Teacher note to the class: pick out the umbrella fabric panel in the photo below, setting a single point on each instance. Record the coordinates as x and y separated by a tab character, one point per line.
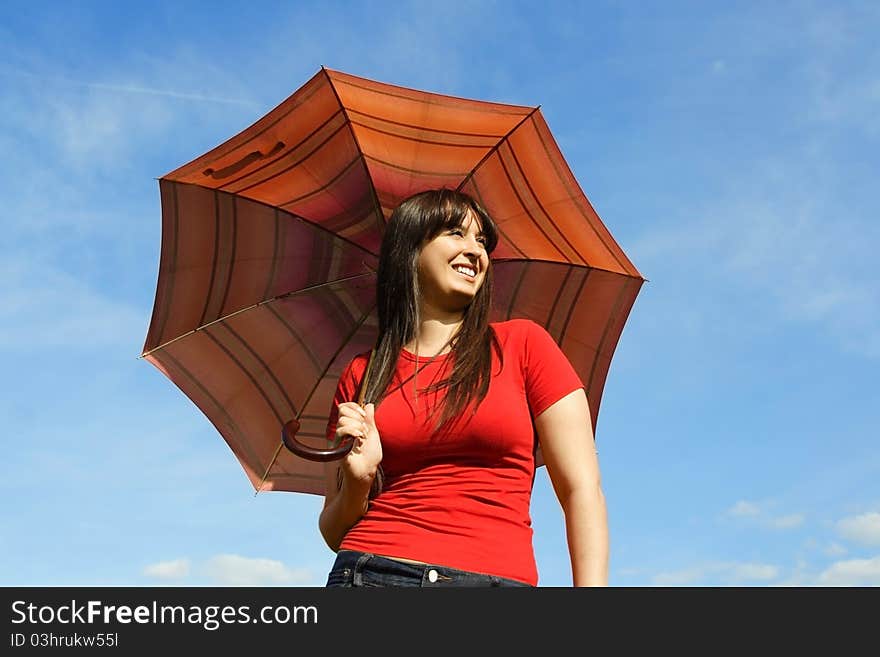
541	211
301	157
414	140
254	371
221	254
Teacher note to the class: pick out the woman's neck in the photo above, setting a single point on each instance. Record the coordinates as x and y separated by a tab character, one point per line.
434	334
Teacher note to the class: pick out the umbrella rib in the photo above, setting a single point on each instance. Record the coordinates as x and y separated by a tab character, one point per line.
214	259
495	148
304	290
348	121
571	308
305	404
620	297
304	219
578	198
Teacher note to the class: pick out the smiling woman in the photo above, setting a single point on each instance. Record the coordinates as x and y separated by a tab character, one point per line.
437	488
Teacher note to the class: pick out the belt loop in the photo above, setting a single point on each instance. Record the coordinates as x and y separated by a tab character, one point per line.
359	567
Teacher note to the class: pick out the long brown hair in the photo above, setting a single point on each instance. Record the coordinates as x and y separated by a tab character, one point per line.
416	221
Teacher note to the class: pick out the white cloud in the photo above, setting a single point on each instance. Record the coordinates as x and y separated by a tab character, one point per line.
234	570
835	550
744	508
718	572
753	572
864	529
168	570
787	522
684	577
854	572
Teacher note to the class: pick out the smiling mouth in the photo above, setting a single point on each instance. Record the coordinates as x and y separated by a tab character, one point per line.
467	272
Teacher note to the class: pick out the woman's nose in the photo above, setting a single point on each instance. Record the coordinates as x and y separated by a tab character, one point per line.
473	246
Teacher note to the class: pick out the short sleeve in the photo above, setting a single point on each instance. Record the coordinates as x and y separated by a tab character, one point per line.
346	390
550	376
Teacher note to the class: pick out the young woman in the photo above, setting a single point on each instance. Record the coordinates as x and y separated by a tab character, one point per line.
437	488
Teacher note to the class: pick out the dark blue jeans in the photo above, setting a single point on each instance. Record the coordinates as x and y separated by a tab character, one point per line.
363	569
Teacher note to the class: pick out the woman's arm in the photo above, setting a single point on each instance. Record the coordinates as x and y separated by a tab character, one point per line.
344	506
567	443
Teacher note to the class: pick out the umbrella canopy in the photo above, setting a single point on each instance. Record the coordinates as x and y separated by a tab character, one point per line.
270	244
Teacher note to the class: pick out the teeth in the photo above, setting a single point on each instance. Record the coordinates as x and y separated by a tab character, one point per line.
465	270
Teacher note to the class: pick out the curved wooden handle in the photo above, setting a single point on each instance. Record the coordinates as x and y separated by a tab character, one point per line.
288	433
288	437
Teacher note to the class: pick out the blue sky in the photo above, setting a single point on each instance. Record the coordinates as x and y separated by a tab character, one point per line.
731	148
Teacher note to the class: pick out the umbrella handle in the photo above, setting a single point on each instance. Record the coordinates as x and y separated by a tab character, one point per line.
288	432
288	437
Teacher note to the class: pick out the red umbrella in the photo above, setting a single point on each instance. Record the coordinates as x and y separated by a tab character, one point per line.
270	245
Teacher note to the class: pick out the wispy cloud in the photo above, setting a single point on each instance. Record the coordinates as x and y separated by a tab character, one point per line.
864	529
744	508
713	573
235	570
761	515
835	550
130	88
854	572
232	570
168	570
42	307
787	522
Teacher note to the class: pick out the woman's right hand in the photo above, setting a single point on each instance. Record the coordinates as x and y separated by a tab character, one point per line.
362	462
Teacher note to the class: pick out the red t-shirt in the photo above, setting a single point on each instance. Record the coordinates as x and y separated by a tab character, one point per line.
461	498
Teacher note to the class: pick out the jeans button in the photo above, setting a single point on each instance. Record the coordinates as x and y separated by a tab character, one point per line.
433	575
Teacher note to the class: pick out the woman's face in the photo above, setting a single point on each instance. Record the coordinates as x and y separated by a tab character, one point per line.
452	266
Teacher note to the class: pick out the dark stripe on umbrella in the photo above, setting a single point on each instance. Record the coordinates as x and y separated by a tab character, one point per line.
282	154
294	334
612	319
380	218
203	319
168	267
577	196
572	306
559	294
255	305
263	366
516	193
478	194
276	256
420	128
288	168
233	243
245	370
522	275
438	142
414	172
495	148
314	224
322	188
543	209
